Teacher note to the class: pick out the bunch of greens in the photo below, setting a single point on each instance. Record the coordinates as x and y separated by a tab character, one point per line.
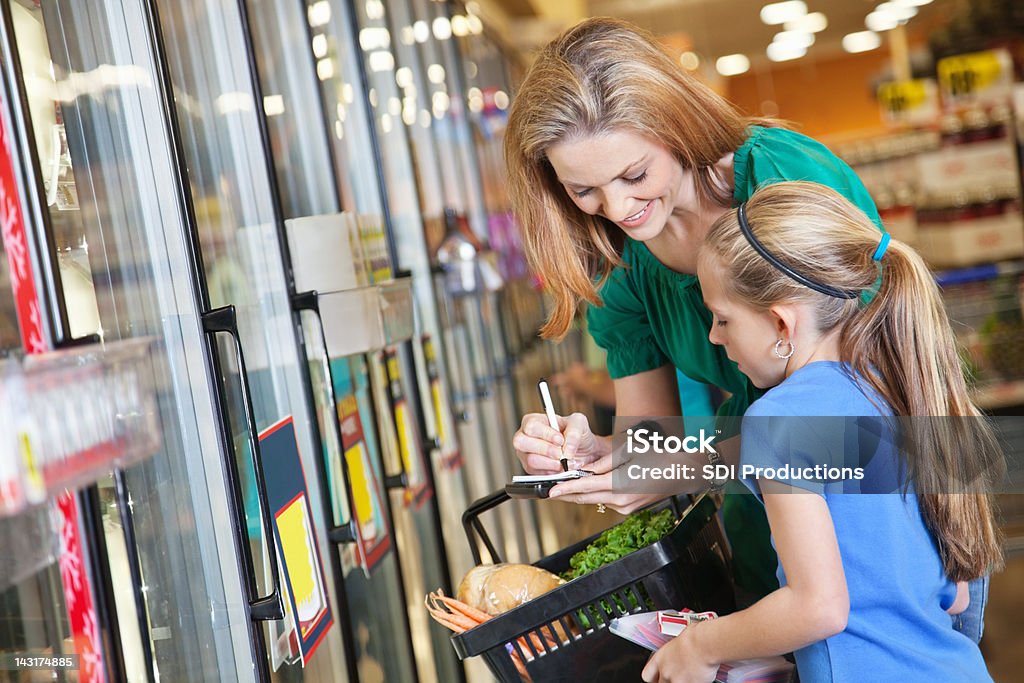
639	530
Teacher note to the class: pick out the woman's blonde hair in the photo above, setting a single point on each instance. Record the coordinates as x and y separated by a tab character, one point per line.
900	344
600	76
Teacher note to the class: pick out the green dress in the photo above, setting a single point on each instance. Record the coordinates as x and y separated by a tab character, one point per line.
654	316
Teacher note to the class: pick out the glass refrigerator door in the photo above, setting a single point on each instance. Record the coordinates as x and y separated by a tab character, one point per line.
115	230
472	316
346	89
243	267
449	103
315	185
395	116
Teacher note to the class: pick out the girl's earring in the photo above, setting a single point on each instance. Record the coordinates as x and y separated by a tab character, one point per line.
788	354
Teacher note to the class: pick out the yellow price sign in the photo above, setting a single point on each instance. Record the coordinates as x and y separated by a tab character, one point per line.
976	75
903	95
909	101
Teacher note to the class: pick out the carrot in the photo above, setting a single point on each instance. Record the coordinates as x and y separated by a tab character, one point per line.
538	644
462	620
470	611
447	624
446	614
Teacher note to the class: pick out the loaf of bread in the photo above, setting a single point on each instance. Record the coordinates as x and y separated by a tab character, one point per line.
497	588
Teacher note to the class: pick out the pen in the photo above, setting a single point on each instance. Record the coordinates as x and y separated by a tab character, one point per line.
549	408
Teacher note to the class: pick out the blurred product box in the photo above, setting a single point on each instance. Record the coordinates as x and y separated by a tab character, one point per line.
321	251
367	318
958	168
959	236
901	223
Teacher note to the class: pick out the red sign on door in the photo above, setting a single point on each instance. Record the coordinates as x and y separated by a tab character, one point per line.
74	573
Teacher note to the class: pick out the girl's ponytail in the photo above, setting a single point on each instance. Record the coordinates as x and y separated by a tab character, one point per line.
903	346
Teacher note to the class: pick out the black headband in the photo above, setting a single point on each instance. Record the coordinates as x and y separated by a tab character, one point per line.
741	214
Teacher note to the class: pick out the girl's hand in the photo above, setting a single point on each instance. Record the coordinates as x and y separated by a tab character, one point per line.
681	661
540	448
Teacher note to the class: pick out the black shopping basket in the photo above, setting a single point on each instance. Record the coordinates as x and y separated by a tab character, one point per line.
563	635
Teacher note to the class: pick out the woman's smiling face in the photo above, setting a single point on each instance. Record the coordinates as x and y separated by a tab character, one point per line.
627	178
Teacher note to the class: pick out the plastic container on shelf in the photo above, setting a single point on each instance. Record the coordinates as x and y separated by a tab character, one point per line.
970	226
688	567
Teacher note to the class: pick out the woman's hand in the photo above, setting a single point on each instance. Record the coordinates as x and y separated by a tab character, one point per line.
681	661
599	489
540	448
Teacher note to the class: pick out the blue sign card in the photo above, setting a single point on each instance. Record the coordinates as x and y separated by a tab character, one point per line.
295	536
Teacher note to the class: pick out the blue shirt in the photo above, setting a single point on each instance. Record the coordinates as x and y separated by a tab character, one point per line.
898	627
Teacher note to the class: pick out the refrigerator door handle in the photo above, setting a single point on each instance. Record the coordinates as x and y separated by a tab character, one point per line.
346	532
269	607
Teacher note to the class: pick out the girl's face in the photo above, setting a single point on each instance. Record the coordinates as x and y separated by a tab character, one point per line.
629	179
748	335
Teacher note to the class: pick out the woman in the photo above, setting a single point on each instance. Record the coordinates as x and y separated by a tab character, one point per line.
619	162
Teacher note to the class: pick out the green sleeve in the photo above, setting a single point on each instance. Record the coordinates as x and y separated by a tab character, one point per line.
730	413
776	155
621	327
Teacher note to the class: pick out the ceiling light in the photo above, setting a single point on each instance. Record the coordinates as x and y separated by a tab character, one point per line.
732	65
794	38
374	38
421	31
810	23
320	45
374	9
881	21
901	12
403	77
460	25
319	13
442	28
861	41
781	12
325	69
273	105
435	73
381	60
230	102
689	60
782	52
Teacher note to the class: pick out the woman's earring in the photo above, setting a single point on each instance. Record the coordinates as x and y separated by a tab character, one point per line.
788	354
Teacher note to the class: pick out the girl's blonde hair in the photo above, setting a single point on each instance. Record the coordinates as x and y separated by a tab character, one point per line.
900	344
600	76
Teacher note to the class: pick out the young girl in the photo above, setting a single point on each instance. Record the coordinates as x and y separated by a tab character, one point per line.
809	300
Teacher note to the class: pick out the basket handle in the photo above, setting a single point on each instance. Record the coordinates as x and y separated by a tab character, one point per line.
473	527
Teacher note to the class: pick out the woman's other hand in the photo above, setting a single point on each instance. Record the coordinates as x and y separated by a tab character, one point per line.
599	489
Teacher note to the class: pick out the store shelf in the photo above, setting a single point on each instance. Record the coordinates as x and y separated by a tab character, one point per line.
367	318
69	417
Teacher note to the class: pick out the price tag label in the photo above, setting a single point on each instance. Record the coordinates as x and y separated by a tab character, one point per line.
909	102
976	78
